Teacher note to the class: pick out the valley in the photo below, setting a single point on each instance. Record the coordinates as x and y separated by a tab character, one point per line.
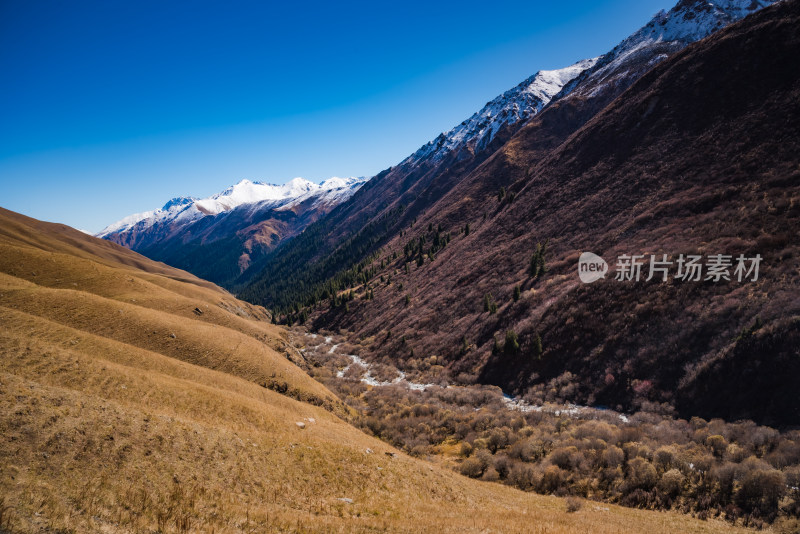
137	397
646	460
418	351
691	158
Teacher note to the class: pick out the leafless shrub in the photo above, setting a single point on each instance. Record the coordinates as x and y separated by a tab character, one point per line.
573	504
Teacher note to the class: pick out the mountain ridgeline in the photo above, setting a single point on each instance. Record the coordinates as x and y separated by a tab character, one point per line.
659	147
219	237
557	102
681	140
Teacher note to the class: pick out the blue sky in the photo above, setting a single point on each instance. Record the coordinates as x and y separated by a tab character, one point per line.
109	108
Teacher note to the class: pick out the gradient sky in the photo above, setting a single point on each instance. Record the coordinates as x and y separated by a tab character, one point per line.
110	107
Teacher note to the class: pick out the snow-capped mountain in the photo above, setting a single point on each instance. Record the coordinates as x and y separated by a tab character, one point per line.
666	33
218	237
448	176
257	194
249	219
515	106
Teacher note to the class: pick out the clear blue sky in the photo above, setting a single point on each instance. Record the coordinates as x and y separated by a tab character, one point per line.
113	107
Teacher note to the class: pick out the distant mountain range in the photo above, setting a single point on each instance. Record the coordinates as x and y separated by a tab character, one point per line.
239	224
226	238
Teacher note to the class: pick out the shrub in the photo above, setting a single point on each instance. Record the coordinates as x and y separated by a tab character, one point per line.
717	444
613	457
491	475
735	453
553	479
671	483
498	438
471	467
641	474
573	504
522	476
502	465
760	492
564	457
528	450
664	457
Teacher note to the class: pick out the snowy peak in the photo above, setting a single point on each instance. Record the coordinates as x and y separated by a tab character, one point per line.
545	84
691	20
338	183
178	202
515	105
687	22
247	192
181	210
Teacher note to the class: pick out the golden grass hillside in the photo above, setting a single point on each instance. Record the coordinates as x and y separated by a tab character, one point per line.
137	398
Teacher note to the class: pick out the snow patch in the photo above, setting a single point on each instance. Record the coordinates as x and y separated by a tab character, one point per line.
515	105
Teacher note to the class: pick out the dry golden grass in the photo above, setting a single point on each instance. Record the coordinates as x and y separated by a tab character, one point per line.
110	424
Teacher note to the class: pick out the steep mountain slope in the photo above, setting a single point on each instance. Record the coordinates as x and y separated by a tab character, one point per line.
394	198
699	156
515	106
133	400
218	237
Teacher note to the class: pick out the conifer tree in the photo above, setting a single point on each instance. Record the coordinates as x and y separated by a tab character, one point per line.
537	263
537	346
512	344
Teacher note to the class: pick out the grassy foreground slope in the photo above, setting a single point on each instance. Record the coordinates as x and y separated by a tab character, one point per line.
135	397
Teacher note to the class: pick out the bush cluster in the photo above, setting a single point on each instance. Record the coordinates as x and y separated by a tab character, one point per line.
739	471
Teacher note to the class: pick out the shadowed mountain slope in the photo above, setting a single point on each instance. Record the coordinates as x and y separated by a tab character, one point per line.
699	156
305	269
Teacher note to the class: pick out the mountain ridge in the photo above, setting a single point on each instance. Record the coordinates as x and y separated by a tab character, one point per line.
218	237
697	156
242	193
395	197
